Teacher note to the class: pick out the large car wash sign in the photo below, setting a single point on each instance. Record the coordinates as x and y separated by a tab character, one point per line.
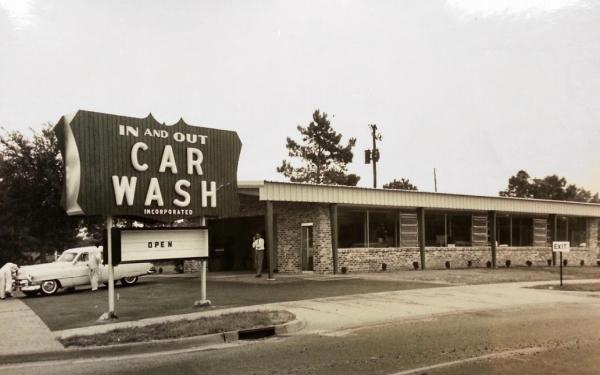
125	166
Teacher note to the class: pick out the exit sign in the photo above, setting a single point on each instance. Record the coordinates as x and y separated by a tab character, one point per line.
561	246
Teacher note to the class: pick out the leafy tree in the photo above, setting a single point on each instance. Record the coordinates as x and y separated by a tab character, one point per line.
402	184
31	176
323	159
550	187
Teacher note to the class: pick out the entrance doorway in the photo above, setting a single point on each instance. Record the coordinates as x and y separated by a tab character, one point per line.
306	246
230	243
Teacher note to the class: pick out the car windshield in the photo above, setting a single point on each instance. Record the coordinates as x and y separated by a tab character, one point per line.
66	257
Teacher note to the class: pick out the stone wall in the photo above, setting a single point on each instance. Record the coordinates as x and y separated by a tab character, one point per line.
459	257
539	256
371	259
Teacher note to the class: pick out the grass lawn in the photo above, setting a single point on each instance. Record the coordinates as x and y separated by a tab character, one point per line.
184	328
158	296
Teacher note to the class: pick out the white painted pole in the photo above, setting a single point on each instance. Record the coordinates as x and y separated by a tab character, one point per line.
203	301
203	280
111	272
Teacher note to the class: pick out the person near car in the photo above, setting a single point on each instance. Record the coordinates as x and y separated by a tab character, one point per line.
259	252
94	266
8	272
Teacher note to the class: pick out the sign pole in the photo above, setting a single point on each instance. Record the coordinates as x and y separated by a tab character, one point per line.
203	301
561	266
110	315
203	277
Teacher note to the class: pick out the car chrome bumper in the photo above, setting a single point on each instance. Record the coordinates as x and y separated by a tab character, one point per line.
30	288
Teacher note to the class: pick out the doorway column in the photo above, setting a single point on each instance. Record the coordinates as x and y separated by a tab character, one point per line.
492	219
421	231
270	238
333	218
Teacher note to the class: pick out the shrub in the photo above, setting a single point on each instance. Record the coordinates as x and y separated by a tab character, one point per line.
507	263
488	264
469	263
565	262
598	263
344	270
383	266
528	263
582	263
416	265
447	264
549	262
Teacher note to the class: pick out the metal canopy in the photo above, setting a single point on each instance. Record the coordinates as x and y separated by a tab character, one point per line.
345	195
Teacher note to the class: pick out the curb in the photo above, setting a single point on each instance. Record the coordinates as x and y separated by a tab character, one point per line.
144	347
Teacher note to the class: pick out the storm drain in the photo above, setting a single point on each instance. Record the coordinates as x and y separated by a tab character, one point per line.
256	333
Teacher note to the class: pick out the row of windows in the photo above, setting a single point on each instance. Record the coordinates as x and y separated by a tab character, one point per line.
379	228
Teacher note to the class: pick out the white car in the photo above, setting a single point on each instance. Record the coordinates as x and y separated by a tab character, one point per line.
71	270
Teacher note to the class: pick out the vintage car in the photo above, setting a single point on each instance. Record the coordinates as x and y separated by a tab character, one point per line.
71	270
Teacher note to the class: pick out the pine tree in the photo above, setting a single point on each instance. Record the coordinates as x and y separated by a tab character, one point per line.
402	184
323	159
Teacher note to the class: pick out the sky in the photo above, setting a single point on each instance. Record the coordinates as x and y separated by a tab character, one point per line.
477	89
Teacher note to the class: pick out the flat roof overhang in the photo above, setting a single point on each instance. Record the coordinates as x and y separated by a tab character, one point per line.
359	196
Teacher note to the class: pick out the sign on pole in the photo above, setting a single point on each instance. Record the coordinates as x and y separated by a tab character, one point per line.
140	245
137	167
561	247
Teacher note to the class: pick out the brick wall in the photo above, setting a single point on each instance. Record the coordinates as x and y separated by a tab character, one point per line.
289	217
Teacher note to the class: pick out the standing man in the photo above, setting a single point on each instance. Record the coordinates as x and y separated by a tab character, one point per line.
94	266
259	253
7	273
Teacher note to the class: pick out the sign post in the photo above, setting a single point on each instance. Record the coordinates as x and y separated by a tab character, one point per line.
203	300
561	247
111	272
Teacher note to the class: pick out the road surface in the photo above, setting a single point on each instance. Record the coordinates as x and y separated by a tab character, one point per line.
550	339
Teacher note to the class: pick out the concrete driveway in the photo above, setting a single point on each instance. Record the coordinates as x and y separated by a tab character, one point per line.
347	312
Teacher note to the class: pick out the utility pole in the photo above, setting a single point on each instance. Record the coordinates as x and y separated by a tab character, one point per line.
372	155
434	180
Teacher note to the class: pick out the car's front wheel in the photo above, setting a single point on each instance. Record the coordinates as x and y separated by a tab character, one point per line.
128	281
49	287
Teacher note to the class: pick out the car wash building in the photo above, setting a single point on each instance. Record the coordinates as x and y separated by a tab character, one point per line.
335	229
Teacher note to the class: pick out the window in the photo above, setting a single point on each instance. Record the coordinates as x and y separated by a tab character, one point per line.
83	258
459	229
351	228
435	230
503	231
522	231
383	229
577	231
561	229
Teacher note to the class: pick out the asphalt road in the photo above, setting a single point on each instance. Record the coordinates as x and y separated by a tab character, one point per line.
549	339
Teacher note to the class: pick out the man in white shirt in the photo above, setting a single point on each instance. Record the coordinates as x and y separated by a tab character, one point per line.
259	253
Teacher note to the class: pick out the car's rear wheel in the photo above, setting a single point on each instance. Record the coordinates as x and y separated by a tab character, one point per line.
128	281
49	287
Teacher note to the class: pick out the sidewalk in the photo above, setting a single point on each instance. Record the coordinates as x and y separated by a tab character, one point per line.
23	332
